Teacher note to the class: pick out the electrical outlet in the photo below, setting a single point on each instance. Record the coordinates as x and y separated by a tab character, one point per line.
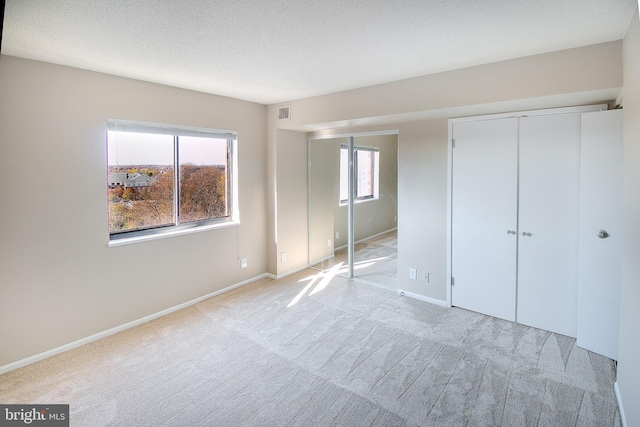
337	235
329	242
425	276
283	256
413	273
243	263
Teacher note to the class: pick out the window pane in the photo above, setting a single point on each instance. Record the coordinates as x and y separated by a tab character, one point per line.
365	173
140	181
203	178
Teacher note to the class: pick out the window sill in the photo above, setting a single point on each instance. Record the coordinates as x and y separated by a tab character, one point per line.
172	233
357	202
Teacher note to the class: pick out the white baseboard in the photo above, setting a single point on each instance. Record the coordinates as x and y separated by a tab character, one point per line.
619	398
289	273
99	335
423	298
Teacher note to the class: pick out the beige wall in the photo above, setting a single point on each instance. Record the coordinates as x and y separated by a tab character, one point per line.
591	74
59	280
422	220
292	201
629	350
589	70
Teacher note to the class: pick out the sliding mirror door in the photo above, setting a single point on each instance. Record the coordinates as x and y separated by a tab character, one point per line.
324	194
373	237
375	209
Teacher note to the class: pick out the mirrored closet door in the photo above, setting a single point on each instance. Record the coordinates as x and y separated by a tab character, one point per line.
354	233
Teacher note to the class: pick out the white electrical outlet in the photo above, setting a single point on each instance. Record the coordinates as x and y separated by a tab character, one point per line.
329	242
413	273
283	256
425	276
337	235
243	263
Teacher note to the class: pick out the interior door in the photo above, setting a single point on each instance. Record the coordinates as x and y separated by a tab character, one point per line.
549	215
600	254
484	214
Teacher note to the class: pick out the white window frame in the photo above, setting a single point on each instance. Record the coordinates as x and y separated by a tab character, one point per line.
344	177
177	228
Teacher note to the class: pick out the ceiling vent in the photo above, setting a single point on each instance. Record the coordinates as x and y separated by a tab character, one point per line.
283	113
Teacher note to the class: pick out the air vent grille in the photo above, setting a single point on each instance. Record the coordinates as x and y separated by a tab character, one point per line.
283	113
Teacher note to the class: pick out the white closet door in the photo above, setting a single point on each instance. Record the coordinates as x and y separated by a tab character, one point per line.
549	214
600	209
484	203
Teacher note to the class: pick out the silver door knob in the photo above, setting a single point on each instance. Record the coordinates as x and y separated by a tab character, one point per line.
602	234
511	232
524	233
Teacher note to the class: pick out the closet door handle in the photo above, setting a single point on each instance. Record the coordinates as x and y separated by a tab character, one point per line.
524	233
511	232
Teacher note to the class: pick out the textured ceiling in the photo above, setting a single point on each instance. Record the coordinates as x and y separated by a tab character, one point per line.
270	51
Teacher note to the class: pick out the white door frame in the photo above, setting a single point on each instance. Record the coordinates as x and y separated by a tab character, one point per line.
564	110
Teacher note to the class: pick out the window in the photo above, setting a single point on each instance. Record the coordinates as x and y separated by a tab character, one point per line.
163	178
366	164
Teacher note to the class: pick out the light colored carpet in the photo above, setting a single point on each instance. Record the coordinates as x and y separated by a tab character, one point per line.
317	350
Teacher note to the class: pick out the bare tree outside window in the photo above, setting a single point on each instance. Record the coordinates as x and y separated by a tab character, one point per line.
144	192
140	183
203	178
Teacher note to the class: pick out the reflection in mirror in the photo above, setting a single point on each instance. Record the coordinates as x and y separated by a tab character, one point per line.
375	207
375	210
324	194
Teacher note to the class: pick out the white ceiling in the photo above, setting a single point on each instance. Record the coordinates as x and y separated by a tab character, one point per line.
270	51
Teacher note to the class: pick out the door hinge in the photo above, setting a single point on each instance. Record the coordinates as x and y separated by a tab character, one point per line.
453	281
453	143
